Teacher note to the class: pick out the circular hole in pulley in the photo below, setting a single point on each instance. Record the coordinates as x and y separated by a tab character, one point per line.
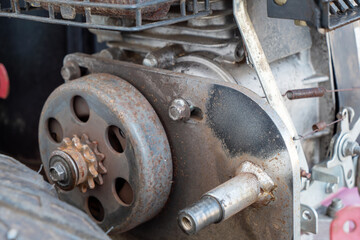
96	209
124	191
116	138
55	130
81	108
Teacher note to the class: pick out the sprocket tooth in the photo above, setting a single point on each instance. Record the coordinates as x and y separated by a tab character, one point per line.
101	167
76	142
85	138
65	143
101	156
92	156
83	188
91	183
99	180
93	171
88	153
95	148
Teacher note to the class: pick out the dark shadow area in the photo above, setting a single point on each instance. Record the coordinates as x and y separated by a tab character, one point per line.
32	54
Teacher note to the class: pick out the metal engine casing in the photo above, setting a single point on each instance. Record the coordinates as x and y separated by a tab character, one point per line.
204	62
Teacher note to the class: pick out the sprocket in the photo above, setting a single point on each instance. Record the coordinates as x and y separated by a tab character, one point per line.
89	162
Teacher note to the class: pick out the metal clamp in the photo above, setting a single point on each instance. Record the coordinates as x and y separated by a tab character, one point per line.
344	146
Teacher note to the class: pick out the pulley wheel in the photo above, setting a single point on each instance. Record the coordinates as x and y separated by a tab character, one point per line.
106	151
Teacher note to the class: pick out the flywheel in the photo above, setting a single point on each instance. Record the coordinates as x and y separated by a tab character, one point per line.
105	149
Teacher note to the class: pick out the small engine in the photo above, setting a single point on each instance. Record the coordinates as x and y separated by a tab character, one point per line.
201	119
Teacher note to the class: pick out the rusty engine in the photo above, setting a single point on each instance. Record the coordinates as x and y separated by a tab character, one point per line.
204	119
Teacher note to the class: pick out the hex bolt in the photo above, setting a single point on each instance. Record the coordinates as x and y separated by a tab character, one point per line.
150	61
70	71
335	206
179	110
57	172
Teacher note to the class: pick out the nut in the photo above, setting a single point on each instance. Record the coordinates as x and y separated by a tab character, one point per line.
150	61
58	172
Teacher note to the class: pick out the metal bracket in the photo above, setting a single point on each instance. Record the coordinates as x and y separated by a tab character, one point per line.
344	136
323	174
309	219
273	96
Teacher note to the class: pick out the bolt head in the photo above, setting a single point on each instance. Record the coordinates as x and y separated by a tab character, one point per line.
179	110
70	71
150	61
57	172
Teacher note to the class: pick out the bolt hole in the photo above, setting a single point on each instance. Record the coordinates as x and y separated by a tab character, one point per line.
124	191
306	215
116	138
349	226
197	114
96	209
186	223
55	130
349	174
239	52
81	108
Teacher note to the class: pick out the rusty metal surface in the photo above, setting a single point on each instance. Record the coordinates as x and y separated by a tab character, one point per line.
153	12
143	163
86	160
305	93
268	83
236	126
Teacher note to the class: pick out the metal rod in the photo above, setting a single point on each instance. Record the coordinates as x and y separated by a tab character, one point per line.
51	11
138	16
220	203
305	93
318	127
87	13
196	10
207	5
16	6
313	92
183	7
